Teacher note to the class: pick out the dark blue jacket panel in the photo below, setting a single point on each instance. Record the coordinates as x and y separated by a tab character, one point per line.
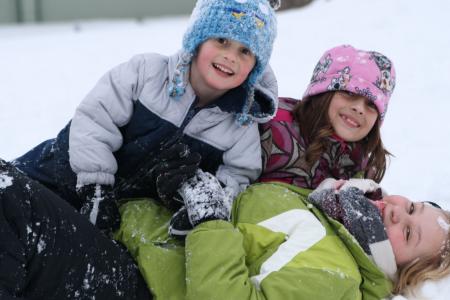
142	137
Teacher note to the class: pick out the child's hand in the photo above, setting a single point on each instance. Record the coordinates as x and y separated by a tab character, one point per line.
205	199
177	164
330	183
370	188
99	206
361	217
365	185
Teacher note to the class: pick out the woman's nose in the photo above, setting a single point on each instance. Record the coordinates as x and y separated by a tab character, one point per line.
394	217
397	215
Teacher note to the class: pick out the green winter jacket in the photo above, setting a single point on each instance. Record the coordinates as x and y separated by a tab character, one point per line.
278	247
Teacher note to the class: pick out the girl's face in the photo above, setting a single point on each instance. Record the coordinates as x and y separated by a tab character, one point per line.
415	229
351	116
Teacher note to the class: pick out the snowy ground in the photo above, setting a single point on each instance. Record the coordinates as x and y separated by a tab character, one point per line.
46	70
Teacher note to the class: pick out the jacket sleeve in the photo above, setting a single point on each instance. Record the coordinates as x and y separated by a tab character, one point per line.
215	264
217	259
94	131
242	162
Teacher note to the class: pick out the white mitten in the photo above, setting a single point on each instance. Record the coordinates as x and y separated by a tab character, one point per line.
329	183
364	185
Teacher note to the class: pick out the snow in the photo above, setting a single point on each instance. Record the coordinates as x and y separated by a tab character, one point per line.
5	181
47	69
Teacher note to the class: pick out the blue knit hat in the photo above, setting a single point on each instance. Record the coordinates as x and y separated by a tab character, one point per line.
250	22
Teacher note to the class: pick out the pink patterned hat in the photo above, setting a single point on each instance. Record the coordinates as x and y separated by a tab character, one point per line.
366	73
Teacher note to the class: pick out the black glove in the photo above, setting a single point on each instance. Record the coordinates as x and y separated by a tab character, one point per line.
100	207
177	164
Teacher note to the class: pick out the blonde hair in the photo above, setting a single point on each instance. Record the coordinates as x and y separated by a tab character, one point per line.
416	272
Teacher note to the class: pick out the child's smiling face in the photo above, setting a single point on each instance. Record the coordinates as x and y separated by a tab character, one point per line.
220	65
351	116
415	229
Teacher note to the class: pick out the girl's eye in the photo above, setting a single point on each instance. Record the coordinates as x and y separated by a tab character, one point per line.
408	233
371	105
412	208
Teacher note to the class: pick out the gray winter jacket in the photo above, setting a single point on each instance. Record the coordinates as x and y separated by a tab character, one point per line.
134	97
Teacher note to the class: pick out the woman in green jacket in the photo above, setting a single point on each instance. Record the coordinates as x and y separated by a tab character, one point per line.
277	246
280	246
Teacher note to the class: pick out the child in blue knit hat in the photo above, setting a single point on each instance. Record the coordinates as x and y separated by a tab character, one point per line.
205	99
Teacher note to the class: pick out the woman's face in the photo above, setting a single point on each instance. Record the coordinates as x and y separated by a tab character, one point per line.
351	116
415	229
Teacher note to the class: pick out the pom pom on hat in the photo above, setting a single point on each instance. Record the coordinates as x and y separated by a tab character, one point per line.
366	73
250	22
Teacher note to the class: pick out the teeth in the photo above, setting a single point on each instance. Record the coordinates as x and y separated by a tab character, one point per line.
223	69
353	123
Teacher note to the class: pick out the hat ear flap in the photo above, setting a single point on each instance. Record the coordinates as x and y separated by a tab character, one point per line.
177	86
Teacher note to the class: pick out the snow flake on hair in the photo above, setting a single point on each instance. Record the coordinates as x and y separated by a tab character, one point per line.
443	224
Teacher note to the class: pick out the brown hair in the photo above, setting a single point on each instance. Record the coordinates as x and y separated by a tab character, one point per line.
312	116
419	270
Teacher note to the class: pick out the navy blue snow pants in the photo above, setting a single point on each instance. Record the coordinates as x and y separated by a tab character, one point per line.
49	251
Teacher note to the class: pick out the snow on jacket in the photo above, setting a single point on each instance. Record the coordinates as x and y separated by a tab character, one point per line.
278	247
284	152
129	113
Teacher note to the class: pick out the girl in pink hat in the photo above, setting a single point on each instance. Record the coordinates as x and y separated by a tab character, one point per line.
334	131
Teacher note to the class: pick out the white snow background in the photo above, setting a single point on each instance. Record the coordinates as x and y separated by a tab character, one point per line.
46	70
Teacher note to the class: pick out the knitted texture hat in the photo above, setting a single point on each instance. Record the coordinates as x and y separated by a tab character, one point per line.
250	22
366	73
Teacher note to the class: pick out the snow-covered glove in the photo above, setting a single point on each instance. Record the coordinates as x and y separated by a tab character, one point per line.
356	212
361	217
99	206
205	199
177	164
